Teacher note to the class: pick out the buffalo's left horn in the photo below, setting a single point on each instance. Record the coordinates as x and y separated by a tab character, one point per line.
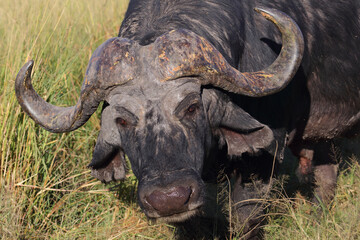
105	71
192	55
279	73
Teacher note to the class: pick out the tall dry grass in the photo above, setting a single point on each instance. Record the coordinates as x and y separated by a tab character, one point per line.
46	191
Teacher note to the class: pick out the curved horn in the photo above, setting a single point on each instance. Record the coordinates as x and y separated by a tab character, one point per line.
279	73
193	55
104	71
51	117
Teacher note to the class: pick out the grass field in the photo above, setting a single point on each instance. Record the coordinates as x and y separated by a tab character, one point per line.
46	191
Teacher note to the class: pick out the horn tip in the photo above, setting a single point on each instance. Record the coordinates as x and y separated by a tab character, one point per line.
259	9
24	74
28	65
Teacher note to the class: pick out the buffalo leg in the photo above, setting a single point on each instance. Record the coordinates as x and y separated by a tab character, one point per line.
325	173
319	166
304	171
325	177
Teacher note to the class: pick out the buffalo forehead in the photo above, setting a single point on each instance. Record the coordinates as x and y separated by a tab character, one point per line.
138	97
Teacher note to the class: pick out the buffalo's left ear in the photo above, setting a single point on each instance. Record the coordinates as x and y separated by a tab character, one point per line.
108	162
241	132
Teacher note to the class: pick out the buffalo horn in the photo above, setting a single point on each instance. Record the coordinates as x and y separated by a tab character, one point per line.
201	59
104	71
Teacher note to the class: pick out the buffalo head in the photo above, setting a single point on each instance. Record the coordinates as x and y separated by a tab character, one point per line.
158	114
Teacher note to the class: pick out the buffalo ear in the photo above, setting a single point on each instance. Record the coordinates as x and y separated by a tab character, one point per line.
241	132
248	142
108	162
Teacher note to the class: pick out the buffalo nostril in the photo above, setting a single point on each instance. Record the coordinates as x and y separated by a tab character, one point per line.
169	201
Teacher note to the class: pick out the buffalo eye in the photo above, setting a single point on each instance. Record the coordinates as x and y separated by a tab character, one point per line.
125	118
192	109
121	122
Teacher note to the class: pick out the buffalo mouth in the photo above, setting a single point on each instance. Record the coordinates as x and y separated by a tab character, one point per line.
174	218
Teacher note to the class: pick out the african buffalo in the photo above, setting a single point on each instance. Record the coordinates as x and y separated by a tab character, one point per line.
184	94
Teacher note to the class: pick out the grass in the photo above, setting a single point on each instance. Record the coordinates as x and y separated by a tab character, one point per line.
46	191
299	219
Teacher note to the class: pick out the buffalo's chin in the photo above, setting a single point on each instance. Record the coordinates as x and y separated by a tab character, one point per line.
177	217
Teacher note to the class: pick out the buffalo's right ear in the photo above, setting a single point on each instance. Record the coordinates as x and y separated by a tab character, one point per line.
235	127
108	162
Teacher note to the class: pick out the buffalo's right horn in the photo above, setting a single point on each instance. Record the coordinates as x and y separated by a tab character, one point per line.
109	66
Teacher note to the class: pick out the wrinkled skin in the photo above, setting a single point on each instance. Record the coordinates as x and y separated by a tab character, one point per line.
144	125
